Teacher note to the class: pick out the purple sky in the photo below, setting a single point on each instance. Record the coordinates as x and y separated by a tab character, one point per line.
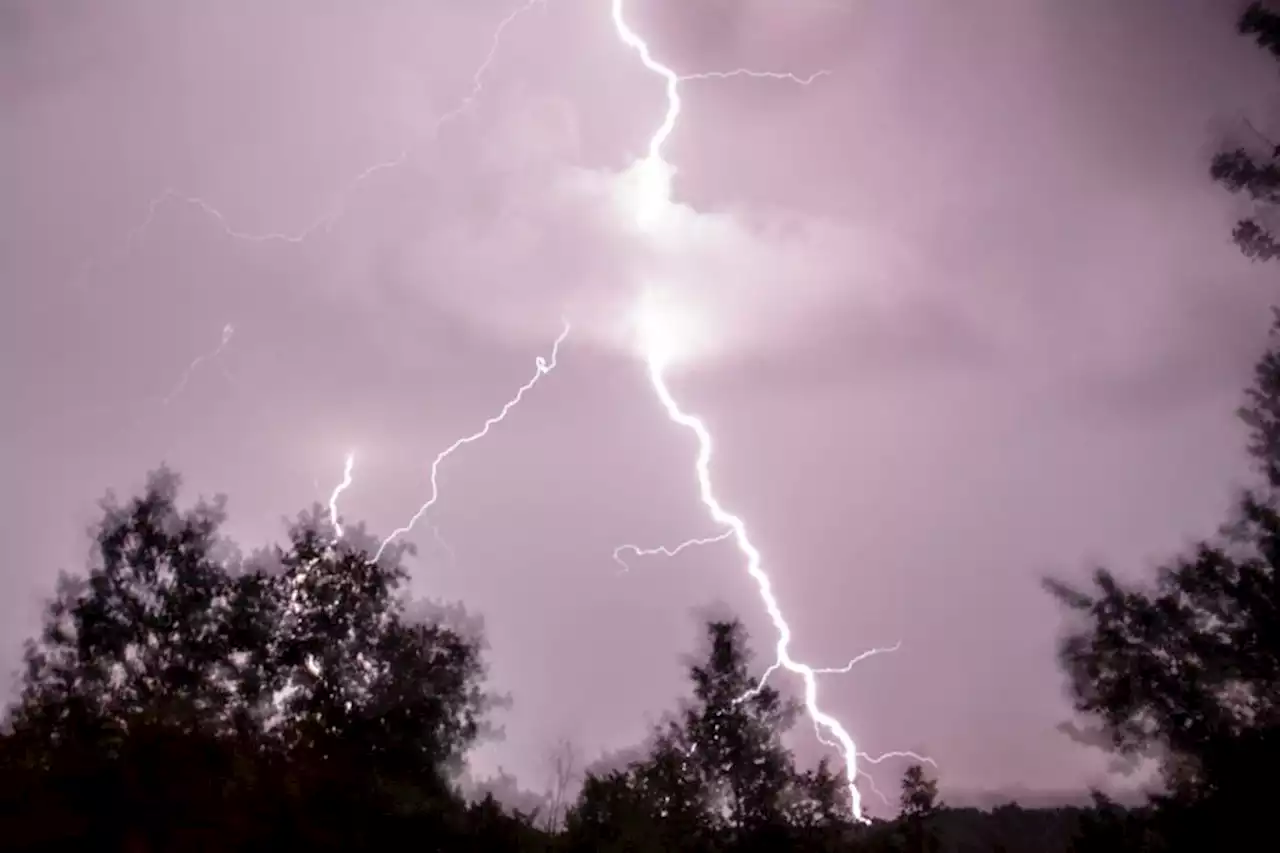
970	314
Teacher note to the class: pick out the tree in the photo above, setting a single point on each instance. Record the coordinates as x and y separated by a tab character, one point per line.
819	810
716	776
179	698
735	725
1261	412
563	762
1187	667
919	797
1241	172
920	804
656	802
1190	665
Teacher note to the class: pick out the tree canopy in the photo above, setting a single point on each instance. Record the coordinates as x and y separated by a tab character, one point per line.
1186	668
1249	172
295	694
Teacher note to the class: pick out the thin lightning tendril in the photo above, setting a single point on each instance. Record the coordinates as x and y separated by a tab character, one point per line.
836	670
656	174
757	75
337	208
664	550
543	367
227	332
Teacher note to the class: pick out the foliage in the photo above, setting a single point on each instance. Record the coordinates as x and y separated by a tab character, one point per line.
1249	174
920	805
181	699
1187	667
717	776
177	699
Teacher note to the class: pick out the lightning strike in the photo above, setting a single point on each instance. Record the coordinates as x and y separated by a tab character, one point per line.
664	550
337	492
227	331
654	173
655	176
543	367
337	207
758	75
835	670
898	753
660	347
824	723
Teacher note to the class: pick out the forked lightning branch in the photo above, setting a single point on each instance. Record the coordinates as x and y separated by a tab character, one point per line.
660	341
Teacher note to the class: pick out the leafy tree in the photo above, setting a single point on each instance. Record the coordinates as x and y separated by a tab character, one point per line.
1245	173
717	776
1261	412
818	812
656	802
735	726
919	797
920	804
1188	667
177	698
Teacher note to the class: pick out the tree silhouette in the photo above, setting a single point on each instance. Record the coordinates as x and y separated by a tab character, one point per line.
1188	667
735	726
920	804
657	802
181	698
717	776
176	698
1242	172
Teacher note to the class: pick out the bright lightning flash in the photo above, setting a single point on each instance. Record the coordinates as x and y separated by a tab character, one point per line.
337	493
661	344
543	367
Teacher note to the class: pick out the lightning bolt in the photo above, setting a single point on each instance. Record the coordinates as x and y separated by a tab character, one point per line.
836	670
824	723
664	550
337	492
543	366
758	75
655	176
338	205
227	331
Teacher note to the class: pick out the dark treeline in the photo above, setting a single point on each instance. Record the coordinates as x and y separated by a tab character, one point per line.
181	698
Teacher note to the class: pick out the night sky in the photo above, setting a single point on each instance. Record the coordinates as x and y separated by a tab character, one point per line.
962	312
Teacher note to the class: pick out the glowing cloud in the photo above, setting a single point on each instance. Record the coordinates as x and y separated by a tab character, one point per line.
662	338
